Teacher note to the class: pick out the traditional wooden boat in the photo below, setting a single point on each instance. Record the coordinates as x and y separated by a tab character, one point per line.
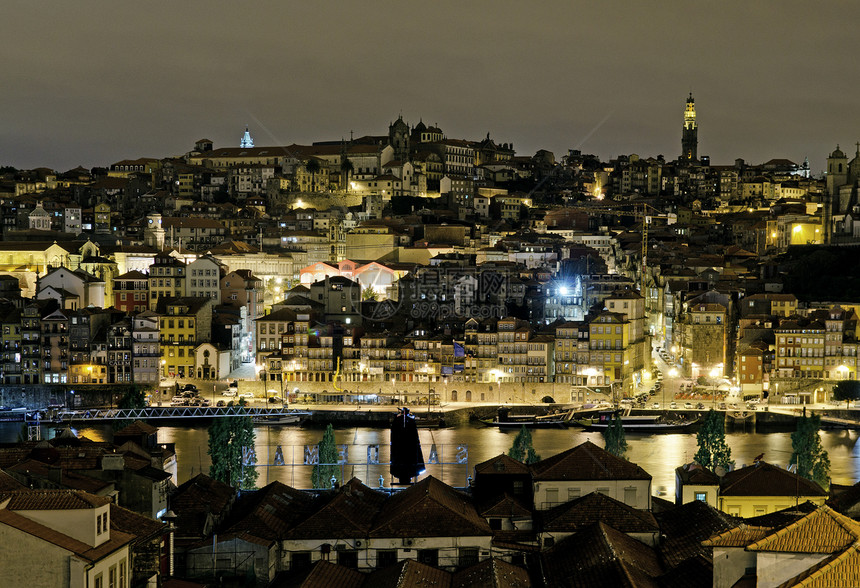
287	418
430	422
635	424
554	420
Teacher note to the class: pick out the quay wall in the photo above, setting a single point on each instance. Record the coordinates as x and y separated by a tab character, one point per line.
416	393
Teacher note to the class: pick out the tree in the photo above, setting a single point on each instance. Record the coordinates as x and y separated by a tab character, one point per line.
327	467
313	167
231	447
809	455
369	294
613	436
847	390
522	449
132	397
711	438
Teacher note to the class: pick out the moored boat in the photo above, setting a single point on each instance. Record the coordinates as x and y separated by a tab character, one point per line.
635	424
287	418
552	420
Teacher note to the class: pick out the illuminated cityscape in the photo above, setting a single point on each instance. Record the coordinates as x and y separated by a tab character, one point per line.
564	264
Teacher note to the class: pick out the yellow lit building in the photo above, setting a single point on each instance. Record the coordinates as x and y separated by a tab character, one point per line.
184	324
800	347
87	373
762	488
609	350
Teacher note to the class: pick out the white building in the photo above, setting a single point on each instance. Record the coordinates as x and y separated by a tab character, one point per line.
204	279
61	538
146	349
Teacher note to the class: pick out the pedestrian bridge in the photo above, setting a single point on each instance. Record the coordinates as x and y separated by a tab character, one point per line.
167	412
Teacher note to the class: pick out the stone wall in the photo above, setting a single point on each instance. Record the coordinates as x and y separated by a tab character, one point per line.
319	201
416	393
817	390
45	395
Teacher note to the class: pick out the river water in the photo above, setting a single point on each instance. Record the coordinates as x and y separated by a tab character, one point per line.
459	449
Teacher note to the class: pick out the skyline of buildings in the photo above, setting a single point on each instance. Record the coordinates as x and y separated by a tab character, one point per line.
413	258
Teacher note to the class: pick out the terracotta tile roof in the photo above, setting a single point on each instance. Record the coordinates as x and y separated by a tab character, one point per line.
601	556
694	474
517	540
117	539
660	505
597	507
349	513
686	526
52	500
324	574
587	462
843	498
821	531
493	572
8	483
126	521
133	275
267	514
137	428
194	500
764	479
504	505
429	508
781	518
409	573
740	536
695	571
69	479
843	569
501	464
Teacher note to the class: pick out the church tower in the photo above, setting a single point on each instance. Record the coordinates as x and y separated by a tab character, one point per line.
398	137
689	136
837	175
153	232
247	142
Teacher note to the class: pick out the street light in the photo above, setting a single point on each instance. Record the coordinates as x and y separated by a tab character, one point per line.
714	373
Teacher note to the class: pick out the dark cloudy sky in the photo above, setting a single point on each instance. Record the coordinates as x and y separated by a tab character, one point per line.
90	83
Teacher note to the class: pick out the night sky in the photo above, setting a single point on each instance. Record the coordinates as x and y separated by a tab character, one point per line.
90	83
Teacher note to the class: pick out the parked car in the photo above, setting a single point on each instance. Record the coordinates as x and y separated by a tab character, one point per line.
700	406
673	405
246	395
189	388
688	405
229	392
656	405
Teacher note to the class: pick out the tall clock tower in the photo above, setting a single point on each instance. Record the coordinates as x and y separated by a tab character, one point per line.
689	136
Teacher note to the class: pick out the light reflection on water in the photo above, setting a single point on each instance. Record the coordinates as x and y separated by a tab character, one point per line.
659	455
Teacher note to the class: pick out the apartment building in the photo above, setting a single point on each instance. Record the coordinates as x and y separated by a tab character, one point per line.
131	292
184	324
146	350
166	279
